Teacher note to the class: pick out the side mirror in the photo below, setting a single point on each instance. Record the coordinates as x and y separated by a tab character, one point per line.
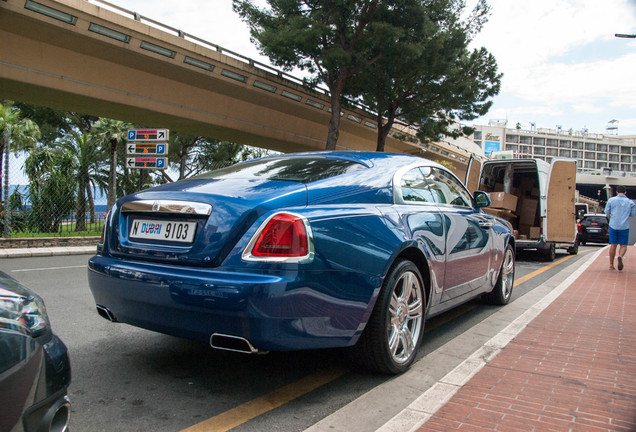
482	199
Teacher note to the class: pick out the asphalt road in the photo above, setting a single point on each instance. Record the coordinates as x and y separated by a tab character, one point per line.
129	379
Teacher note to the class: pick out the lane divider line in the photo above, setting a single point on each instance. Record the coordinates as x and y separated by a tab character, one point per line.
249	410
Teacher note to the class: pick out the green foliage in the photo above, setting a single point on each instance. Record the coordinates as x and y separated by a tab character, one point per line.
425	75
331	39
52	187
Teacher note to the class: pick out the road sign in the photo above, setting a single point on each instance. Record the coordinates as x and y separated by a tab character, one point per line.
147	148
148	135
147	162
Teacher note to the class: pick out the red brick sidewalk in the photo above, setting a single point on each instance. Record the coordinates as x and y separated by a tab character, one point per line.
573	368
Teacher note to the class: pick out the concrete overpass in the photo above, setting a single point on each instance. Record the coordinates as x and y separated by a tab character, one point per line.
99	59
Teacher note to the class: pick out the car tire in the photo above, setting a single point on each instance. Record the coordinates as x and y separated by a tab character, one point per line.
549	254
501	293
391	339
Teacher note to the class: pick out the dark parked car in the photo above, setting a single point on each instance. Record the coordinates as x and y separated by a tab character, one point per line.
593	228
303	251
34	365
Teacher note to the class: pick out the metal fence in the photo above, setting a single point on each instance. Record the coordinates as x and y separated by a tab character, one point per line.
57	194
47	202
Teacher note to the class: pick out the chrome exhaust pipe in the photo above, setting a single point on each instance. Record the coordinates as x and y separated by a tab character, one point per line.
104	312
57	417
233	343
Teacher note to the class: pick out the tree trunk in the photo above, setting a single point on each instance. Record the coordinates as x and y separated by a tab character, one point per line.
91	202
334	124
383	132
112	176
6	208
335	90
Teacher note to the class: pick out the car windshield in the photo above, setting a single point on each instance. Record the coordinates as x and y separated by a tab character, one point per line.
295	169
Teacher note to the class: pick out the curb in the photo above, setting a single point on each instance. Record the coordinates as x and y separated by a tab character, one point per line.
46	251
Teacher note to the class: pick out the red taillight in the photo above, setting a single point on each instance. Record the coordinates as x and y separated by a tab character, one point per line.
578	226
284	236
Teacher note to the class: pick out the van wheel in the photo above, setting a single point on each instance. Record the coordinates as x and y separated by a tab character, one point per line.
501	293
395	330
574	249
549	254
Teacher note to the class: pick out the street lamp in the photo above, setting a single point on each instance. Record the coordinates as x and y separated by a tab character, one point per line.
626	36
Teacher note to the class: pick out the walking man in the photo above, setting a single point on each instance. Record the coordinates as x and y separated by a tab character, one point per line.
619	208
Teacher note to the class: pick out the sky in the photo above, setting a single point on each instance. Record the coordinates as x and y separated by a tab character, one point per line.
561	63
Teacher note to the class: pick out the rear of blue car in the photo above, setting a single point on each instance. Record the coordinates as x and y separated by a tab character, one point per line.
250	265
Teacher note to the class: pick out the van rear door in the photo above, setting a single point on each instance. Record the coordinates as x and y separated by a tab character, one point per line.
560	223
472	174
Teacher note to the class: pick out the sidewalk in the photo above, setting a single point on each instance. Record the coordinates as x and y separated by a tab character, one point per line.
573	368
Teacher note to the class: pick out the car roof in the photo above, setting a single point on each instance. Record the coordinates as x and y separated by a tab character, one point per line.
595	214
364	157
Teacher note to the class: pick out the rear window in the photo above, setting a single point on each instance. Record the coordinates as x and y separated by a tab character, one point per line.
596	219
294	169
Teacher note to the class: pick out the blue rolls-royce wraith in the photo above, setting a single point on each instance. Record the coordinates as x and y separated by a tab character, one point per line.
303	251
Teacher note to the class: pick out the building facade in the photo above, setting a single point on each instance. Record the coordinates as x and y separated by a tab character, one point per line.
591	151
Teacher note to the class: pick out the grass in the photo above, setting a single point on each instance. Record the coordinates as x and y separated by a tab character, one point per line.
66	230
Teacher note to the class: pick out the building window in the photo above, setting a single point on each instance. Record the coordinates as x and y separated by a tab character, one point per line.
590	164
614	148
565	144
539	141
552	152
576	154
590	155
539	151
613	158
552	142
478	143
477	135
625	167
601	156
590	146
601	147
625	150
525	140
613	166
626	158
512	147
600	165
577	145
564	153
512	139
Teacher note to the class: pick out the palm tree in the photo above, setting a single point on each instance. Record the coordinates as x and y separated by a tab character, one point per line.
81	145
22	133
109	135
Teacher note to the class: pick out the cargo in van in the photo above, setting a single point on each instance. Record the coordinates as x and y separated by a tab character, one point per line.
543	216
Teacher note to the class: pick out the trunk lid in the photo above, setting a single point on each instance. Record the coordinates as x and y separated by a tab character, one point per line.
194	222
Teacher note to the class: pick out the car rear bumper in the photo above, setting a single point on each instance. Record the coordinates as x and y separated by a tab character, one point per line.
282	310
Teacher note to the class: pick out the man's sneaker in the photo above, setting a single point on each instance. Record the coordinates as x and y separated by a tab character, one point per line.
620	263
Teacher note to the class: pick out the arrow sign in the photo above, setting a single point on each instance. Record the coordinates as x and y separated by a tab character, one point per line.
147	148
147	162
148	135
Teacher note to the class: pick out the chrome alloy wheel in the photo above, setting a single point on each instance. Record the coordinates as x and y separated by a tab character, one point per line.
507	273
406	317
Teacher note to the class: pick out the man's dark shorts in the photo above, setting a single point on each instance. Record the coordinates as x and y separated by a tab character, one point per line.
620	237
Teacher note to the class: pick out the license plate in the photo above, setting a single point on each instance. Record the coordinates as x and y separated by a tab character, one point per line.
594	230
182	232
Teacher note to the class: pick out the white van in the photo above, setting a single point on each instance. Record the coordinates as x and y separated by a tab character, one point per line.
535	196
